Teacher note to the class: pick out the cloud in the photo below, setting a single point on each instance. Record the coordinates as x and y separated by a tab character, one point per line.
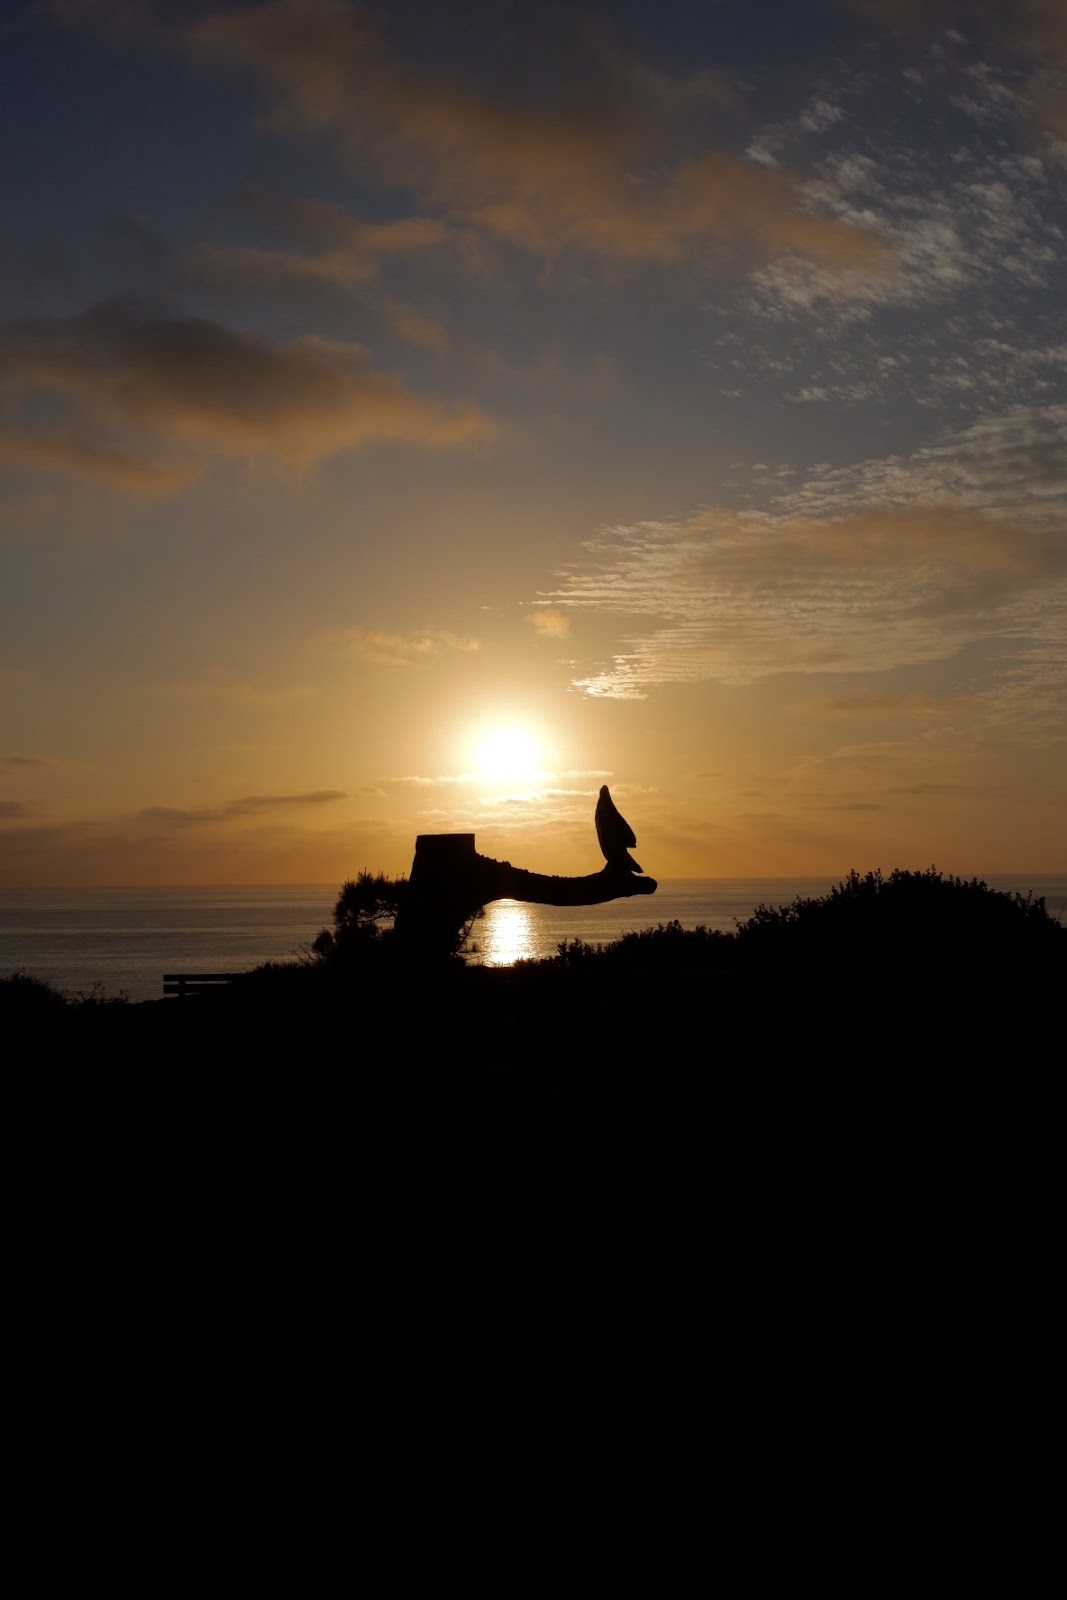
28	761
334	253
10	810
1035	31
144	401
743	596
250	805
1011	465
401	650
979	218
968	318
894	562
414	328
244	270
603	166
180	816
549	623
443	779
534	790
242	692
270	802
335	247
929	788
150	850
915	704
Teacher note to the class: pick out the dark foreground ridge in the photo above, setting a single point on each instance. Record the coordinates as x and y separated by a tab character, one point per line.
812	1157
911	984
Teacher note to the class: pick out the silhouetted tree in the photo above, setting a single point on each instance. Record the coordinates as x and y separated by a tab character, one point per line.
366	909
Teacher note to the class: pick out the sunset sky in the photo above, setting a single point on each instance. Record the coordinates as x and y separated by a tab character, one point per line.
414	416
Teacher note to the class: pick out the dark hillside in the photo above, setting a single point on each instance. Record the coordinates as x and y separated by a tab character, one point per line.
910	997
805	1170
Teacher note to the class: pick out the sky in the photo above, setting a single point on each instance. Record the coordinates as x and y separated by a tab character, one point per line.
413	417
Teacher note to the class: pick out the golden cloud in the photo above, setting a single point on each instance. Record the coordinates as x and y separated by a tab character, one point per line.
333	252
63	452
238	690
915	704
335	249
249	806
550	623
401	650
742	595
597	169
145	402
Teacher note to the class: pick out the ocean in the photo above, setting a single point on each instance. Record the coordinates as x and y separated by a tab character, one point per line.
123	940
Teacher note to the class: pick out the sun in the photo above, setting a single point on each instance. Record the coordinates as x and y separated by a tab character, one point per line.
507	754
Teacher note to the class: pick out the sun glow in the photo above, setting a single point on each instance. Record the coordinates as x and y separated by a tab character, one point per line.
507	754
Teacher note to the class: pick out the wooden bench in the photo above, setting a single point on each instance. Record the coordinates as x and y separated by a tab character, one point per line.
184	984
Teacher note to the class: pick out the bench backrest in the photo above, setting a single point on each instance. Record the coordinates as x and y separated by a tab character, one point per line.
184	984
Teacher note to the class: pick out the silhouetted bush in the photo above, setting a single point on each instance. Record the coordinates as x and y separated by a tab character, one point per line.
96	997
365	912
912	962
26	999
911	967
906	913
666	945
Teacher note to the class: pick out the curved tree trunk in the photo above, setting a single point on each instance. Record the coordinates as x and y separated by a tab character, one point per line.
450	882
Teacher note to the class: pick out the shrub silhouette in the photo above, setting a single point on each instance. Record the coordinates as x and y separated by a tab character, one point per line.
363	916
906	911
870	921
26	999
667	946
890	947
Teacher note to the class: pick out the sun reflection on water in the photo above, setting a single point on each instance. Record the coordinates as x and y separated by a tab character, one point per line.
506	934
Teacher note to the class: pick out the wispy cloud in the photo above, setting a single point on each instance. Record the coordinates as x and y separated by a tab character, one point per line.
537	785
964	314
868	705
1034	31
604	169
333	247
61	451
333	254
892	562
382	649
549	622
438	780
144	402
977	219
1008	465
250	805
238	690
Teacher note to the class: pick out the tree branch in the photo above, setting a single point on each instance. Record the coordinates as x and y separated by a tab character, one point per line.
502	881
450	882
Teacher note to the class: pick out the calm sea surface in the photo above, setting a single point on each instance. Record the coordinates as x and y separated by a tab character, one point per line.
125	939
